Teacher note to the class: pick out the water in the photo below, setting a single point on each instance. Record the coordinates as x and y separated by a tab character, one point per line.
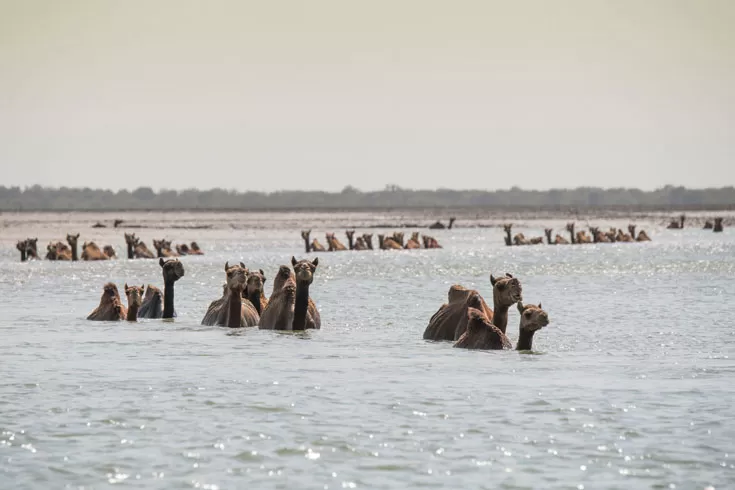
629	387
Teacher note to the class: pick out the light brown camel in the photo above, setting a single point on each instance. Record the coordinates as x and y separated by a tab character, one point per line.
624	237
583	237
334	244
558	239
142	251
58	251
254	290
533	319
350	239
230	310
508	229
520	239
413	242
368	237
317	247
482	334
388	243
284	274
537	240
598	236
163	248
305	235
90	251
291	307
73	241
194	249
135	299
109	251
152	305
110	307
450	321
643	237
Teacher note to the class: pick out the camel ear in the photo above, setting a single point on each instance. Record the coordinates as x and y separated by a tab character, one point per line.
227	265
520	307
242	265
126	286
509	275
315	261
539	306
262	274
160	262
493	280
293	260
142	287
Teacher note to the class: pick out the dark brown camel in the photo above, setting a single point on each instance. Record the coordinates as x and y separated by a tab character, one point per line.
305	235
482	334
368	237
152	305
110	307
717	228
254	290
73	241
291	307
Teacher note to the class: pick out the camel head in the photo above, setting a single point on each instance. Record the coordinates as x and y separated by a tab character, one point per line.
368	237
237	276
256	282
350	233
195	246
32	244
109	293
477	319
134	294
631	230
506	290
173	270
398	237
304	269
507	228
283	275
72	239
22	245
532	317
570	227
109	251
130	239
415	236
305	234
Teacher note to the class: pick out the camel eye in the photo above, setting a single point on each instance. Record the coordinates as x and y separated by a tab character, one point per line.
501	286
528	314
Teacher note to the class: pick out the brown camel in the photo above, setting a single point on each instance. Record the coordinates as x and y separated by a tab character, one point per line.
398	238
450	321
430	242
508	229
388	243
131	241
194	249
317	247
163	248
305	235
533	319
182	249
109	251
254	290
440	226
624	237
152	305
677	225
482	334
135	299
110	307
230	310
142	251
583	237
708	225
291	307
572	236
22	247
520	239
538	240
350	239
717	228
360	244
598	236
558	239
173	270
631	230
413	242
73	240
284	274
90	251
334	244
368	238
58	251
643	237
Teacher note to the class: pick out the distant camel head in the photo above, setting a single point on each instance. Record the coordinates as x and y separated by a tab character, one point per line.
134	294
131	239
415	236
305	234
173	270
22	245
631	230
506	290
368	237
304	269
237	276
109	293
72	239
570	227
350	233
532	317
109	251
508	227
548	232
255	282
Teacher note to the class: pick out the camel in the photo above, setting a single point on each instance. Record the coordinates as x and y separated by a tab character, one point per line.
305	235
31	248
142	251
22	247
643	237
533	319
350	239
368	238
360	244
583	237
612	235
194	249
90	251
430	242
317	247
284	274
173	270
482	334
163	248
507	228
109	251
677	225
520	239
450	321
134	295
570	229
152	304
388	243
631	230
717	228
623	237
72	240
440	226
182	249
398	238
253	291
334	244
536	240
558	239
291	307
598	236
413	242
708	225
230	310
110	307
131	241
58	251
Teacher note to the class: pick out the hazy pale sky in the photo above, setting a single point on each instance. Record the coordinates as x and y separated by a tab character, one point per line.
267	95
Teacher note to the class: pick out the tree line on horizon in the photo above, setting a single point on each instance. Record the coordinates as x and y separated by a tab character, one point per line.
37	198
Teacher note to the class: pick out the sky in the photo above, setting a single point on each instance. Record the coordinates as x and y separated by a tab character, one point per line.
318	95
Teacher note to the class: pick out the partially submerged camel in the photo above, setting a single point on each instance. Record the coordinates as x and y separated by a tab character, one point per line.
284	274
350	239
717	228
572	237
109	251
194	249
398	238
708	225
623	237
58	251
172	270
31	248
22	247
163	248
413	242
598	236
305	235
182	249
135	299
231	310
291	307
110	307
450	321
334	244
438	225
482	334
677	225
90	251
136	248
508	229
253	291
388	243
360	244
152	305
643	237
73	240
558	240
368	238
430	242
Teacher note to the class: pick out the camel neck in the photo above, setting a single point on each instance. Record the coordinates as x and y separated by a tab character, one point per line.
131	253
301	306
23	255
548	239
234	308
74	255
500	317
571	234
306	244
168	299
508	239
350	242
254	298
525	339
133	313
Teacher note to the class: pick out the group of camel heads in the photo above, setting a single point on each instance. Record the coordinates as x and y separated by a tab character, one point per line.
577	237
714	225
470	323
365	242
242	304
137	249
